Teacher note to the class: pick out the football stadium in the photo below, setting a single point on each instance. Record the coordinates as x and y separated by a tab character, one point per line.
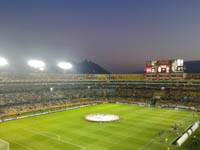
99	75
48	111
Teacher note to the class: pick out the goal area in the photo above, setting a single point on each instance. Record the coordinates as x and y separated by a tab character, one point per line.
4	145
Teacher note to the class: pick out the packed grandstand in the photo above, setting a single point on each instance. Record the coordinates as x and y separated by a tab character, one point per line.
31	92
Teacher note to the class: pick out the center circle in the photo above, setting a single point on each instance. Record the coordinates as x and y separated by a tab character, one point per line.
102	117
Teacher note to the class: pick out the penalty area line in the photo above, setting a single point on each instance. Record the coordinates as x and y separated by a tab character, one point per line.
22	145
56	139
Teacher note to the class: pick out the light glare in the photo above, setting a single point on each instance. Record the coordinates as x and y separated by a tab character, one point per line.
3	61
38	64
64	65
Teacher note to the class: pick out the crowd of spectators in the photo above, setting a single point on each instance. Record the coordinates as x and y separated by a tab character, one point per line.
53	77
18	100
30	97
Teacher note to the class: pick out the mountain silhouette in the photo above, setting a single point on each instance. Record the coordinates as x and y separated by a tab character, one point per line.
89	67
192	66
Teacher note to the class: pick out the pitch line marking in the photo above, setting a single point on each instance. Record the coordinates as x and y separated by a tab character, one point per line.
22	145
57	135
147	143
5	142
63	141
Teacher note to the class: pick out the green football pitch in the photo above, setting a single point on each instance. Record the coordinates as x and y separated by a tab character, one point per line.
138	129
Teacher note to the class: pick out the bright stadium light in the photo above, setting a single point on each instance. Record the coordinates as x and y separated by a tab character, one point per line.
3	61
41	69
37	64
64	65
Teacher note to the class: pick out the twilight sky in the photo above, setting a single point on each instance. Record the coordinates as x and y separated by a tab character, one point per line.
119	35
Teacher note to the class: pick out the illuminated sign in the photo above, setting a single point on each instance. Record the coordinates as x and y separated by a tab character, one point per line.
165	66
177	65
148	70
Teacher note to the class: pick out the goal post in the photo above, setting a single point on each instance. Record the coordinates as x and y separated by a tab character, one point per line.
4	145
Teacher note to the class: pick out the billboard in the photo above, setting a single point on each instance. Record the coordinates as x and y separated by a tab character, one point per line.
163	69
151	63
148	70
177	65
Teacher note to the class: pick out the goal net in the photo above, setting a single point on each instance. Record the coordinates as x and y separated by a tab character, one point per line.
4	145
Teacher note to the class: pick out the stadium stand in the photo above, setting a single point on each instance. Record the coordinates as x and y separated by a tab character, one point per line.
21	93
39	77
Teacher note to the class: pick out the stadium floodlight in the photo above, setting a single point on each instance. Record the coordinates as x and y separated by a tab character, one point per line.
64	65
41	69
3	61
37	64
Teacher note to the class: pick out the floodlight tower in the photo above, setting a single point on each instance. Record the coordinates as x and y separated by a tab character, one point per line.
38	65
65	66
3	62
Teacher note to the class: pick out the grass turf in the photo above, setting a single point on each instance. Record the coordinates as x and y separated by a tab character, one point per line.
137	129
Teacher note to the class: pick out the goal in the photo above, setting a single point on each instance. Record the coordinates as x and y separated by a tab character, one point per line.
4	145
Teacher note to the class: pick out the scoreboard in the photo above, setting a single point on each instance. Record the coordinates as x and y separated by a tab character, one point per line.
165	68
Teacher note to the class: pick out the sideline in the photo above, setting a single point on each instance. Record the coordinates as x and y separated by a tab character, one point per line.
46	112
